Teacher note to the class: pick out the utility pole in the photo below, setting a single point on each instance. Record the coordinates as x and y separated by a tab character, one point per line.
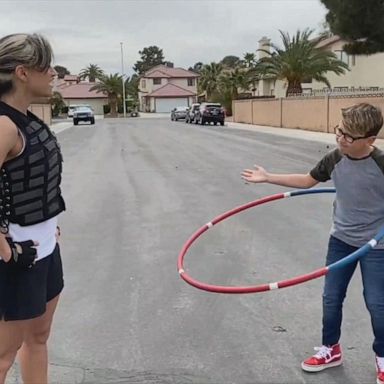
122	79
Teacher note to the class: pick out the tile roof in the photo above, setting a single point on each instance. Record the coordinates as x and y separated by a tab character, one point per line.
79	91
157	74
165	71
329	40
171	90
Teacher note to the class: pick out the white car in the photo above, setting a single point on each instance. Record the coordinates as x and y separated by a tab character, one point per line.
83	114
72	108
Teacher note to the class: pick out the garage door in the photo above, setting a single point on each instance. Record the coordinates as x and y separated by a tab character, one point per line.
167	104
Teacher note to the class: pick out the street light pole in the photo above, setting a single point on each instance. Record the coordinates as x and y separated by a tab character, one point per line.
122	79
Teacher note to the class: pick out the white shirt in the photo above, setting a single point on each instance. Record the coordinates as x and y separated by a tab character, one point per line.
44	233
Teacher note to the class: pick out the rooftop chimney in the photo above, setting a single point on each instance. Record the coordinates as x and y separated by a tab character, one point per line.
264	44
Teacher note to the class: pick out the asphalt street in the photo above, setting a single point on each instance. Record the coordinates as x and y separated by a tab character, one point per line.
136	189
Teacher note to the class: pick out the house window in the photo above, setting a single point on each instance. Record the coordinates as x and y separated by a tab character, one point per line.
143	84
156	81
343	56
191	82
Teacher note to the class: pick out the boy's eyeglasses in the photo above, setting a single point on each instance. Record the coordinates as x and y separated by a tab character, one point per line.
348	138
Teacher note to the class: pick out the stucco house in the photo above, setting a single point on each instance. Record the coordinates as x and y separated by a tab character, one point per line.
75	92
163	88
365	72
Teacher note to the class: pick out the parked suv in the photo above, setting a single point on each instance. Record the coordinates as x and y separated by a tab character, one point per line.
83	114
191	112
210	112
72	108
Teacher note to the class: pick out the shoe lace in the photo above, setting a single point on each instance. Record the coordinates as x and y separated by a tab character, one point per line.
380	363
323	352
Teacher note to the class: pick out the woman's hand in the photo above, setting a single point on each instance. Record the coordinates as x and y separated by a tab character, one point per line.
23	253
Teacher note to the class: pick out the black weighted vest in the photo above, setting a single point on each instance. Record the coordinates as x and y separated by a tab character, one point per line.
30	183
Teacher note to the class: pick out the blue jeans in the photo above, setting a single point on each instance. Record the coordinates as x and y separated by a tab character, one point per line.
335	288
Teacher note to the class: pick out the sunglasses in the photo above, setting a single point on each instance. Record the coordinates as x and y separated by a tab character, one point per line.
348	138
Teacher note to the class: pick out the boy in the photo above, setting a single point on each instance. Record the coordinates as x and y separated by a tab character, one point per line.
356	168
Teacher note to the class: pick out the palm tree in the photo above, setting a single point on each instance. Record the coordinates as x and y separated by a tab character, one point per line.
209	78
132	89
92	72
234	80
300	59
249	59
228	87
111	86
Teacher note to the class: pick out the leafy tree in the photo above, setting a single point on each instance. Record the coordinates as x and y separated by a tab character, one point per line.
299	59
230	61
197	67
360	22
61	71
150	57
92	72
111	86
57	103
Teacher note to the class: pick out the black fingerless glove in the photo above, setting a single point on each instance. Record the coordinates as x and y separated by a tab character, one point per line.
23	253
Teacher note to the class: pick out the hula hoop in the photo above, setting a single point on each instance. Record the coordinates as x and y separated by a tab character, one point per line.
279	284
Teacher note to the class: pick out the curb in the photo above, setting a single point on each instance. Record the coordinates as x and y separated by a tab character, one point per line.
301	134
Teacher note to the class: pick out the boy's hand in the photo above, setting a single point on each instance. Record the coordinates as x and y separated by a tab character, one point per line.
257	175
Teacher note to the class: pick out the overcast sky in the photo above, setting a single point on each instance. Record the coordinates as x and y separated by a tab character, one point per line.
188	31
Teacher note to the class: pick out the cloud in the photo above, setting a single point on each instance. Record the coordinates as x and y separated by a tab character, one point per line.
83	32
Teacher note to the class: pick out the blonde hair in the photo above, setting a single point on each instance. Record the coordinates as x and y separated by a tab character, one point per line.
362	119
30	50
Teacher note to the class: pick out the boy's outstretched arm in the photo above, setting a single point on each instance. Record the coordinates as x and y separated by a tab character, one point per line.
260	175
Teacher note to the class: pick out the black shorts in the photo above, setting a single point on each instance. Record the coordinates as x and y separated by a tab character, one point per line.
24	293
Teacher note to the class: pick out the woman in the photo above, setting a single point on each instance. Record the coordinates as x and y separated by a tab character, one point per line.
31	277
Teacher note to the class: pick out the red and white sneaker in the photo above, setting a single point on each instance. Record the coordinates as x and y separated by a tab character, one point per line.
326	357
380	370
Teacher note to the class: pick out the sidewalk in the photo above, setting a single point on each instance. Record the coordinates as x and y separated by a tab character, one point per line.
155	115
302	134
59	125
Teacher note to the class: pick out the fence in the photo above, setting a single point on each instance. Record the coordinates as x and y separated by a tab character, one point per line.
42	111
318	111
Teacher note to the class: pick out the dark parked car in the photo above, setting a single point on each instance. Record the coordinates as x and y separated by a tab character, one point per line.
83	114
179	113
210	112
191	112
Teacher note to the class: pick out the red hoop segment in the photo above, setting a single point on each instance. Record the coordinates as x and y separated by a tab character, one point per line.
245	289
